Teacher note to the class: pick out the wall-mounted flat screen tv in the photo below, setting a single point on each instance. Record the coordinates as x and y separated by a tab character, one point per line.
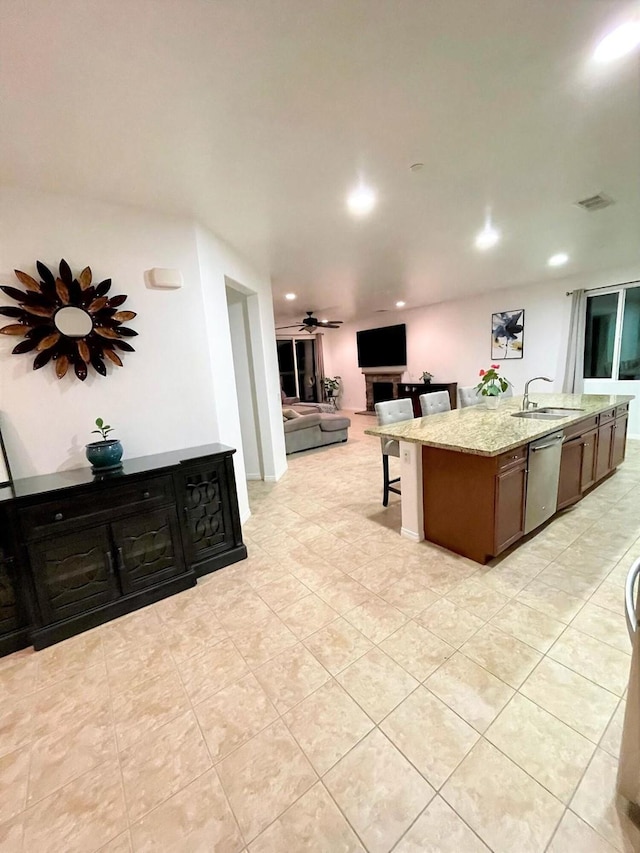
384	347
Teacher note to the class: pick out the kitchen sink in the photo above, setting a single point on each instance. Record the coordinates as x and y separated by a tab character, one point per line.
547	413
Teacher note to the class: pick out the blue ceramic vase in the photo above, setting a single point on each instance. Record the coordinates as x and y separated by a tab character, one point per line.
104	454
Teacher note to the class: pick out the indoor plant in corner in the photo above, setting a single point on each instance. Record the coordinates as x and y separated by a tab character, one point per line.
331	386
491	386
104	455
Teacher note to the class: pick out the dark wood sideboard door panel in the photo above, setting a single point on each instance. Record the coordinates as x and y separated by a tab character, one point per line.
147	548
207	514
11	617
74	572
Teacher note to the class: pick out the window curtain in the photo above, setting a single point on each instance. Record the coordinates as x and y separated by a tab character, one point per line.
319	368
574	370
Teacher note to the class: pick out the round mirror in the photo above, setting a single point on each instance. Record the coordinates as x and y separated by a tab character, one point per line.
73	322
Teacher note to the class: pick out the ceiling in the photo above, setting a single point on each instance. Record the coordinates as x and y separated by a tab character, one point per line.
257	116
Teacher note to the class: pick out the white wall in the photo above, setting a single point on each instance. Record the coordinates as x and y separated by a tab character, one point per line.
452	340
245	383
178	389
156	401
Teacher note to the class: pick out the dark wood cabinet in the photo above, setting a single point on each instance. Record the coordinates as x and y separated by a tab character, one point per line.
619	443
606	430
76	551
588	470
511	490
414	390
571	465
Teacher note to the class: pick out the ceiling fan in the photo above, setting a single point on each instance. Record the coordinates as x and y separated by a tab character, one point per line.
311	323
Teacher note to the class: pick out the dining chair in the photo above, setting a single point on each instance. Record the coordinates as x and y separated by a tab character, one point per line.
435	402
468	396
391	412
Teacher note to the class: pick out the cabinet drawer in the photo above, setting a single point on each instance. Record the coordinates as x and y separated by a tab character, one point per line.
581	427
61	515
604	417
623	409
518	454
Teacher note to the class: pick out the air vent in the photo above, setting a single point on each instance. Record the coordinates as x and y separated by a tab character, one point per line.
381	311
595	202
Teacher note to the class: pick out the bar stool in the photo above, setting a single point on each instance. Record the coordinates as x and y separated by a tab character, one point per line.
468	396
435	402
391	412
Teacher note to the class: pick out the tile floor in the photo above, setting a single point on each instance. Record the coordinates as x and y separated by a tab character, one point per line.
341	690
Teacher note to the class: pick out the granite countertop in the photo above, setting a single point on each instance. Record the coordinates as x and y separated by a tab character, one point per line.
489	432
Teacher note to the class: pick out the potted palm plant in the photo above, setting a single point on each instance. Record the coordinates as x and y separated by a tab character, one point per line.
331	386
104	455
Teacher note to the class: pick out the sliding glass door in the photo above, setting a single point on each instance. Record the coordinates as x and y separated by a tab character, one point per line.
296	362
612	335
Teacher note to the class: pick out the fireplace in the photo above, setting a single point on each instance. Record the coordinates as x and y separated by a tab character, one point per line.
381	384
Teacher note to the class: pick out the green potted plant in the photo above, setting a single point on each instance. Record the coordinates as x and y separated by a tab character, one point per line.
104	455
331	386
492	386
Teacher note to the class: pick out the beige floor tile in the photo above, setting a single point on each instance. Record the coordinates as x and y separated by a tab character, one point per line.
121	844
532	627
552	602
124	668
376	619
575	836
210	671
66	702
430	735
158	765
79	818
596	661
604	625
60	757
291	676
282	592
379	791
313	823
478	598
133	630
16	723
147	706
182	607
597	803
380	573
262	643
18	677
499	801
451	623
571	698
308	615
343	594
612	737
264	777
410	596
417	650
609	595
377	683
503	655
547	749
440	830
473	693
338	645
239	612
192	636
11	833
197	818
14	775
571	581
327	725
69	657
233	715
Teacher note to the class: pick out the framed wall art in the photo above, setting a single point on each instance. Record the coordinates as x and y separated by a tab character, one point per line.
507	334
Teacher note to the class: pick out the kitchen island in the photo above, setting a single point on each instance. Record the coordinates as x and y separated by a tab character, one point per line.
477	480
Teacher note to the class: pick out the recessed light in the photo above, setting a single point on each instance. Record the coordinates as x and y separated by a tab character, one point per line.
290	296
487	238
361	200
619	42
558	260
400	304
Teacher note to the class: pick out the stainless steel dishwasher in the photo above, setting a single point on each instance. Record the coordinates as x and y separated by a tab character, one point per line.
542	480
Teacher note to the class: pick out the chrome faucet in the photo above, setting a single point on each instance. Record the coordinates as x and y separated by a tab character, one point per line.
526	405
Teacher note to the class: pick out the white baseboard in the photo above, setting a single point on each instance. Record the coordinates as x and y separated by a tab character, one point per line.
410	534
245	516
253	476
271	478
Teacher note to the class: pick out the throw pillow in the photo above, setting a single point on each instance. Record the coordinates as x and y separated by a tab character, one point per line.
290	414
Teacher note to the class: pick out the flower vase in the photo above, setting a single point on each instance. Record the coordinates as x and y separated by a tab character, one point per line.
492	401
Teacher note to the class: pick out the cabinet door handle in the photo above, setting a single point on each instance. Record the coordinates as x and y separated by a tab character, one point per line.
58	516
121	565
146	495
110	563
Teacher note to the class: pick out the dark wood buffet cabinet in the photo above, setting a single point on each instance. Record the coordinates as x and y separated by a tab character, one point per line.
77	550
475	505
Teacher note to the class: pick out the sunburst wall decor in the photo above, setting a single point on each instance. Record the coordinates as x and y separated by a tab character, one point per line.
68	321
